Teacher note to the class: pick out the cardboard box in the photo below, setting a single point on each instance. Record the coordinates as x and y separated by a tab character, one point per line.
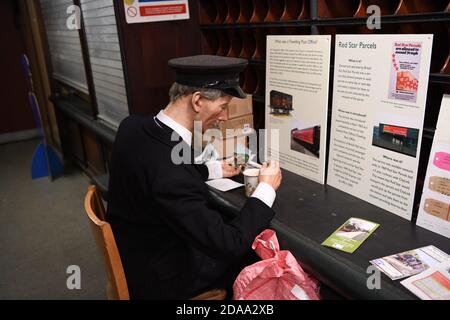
237	126
228	146
240	107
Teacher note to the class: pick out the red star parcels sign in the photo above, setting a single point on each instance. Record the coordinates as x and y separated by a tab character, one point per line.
396	130
140	11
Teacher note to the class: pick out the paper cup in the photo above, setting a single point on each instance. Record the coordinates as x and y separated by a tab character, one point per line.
250	181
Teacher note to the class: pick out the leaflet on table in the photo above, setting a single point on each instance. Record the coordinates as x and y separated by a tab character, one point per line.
224	184
434	211
380	90
351	235
432	284
409	263
297	80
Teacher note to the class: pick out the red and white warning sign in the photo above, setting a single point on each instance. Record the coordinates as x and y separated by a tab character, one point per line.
140	11
132	12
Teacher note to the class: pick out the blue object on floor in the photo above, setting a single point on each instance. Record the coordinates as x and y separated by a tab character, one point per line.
56	167
45	162
39	164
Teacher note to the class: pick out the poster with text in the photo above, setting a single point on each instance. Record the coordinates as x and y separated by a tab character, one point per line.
405	70
434	212
379	95
140	11
297	75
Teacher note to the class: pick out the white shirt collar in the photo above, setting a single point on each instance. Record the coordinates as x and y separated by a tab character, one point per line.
184	133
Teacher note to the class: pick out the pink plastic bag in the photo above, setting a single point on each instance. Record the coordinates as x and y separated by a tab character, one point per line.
277	277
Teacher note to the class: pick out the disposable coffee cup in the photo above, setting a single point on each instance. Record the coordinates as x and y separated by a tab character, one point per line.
250	181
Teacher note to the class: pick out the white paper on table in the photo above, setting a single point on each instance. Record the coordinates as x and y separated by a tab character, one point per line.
432	284
224	184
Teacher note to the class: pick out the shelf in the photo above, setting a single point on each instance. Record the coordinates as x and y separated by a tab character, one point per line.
273	24
392	19
440	77
255	62
71	107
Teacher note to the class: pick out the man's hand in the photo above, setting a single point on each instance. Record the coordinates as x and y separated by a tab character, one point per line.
270	173
228	170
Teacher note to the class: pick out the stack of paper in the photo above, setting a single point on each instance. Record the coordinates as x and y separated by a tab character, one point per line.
432	284
427	267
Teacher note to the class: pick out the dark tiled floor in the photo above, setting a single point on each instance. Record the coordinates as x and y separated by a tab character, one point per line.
43	230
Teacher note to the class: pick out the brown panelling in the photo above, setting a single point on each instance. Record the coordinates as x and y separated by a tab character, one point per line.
94	153
71	138
15	111
107	149
337	8
33	32
147	47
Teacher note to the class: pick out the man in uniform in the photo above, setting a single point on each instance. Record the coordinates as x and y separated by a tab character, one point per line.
173	244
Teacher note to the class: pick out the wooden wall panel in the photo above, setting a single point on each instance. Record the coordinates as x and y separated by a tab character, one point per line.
15	110
71	139
147	47
94	154
33	31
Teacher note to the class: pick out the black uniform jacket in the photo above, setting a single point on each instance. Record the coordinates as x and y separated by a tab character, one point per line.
172	243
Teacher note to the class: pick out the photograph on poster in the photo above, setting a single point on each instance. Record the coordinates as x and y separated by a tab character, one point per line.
280	103
306	139
396	138
405	70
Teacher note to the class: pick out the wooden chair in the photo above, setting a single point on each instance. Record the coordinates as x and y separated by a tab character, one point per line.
117	288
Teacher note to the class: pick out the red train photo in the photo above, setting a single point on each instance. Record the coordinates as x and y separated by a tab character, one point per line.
306	140
396	138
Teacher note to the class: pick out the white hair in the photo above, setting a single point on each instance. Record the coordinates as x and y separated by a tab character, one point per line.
178	90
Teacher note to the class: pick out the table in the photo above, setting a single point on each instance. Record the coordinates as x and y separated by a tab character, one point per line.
308	212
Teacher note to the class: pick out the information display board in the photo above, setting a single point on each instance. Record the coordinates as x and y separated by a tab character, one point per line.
297	77
434	212
379	96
